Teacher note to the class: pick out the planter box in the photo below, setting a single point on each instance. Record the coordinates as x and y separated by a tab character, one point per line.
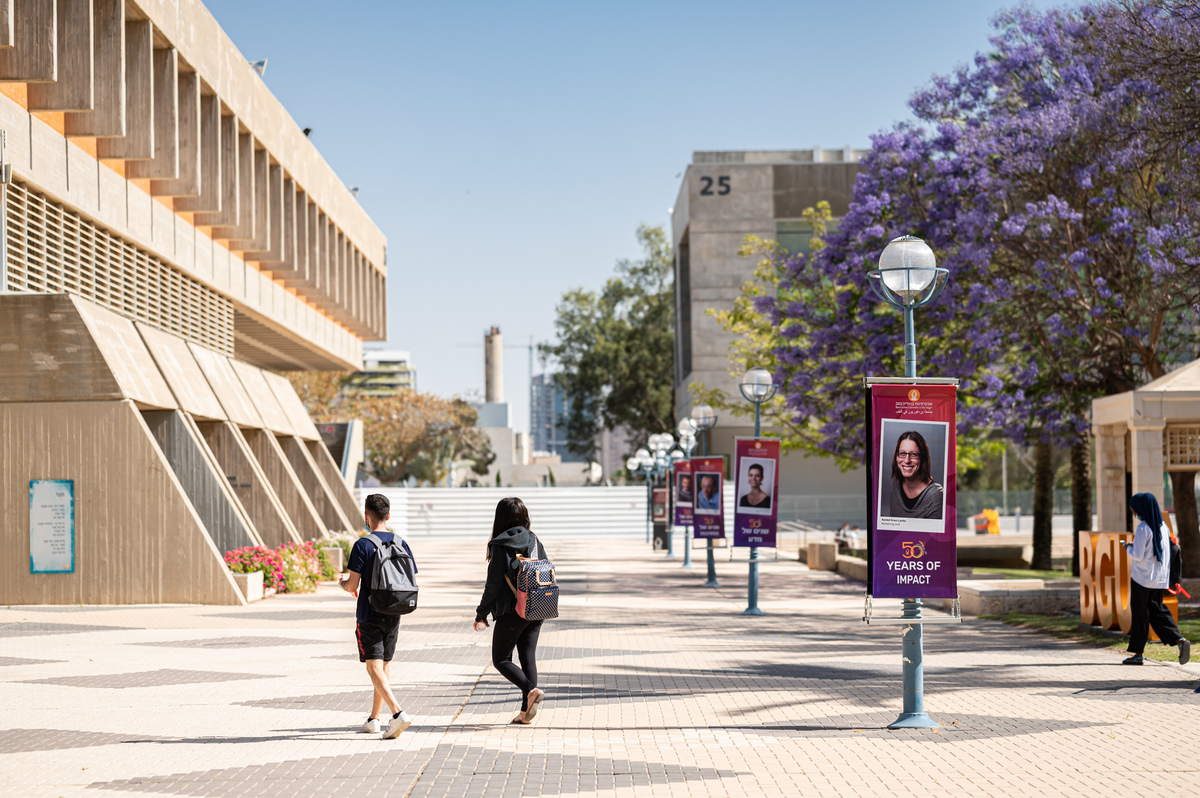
822	556
251	585
852	568
336	557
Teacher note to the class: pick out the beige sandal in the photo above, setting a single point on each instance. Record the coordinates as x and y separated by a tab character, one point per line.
532	711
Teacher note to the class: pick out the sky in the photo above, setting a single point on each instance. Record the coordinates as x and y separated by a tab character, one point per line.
509	151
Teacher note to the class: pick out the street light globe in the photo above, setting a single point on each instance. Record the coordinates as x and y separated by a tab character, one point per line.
686	428
907	267
757	385
644	457
677	455
632	464
704	417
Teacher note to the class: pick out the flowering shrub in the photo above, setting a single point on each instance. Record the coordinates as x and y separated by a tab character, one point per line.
249	559
327	572
301	566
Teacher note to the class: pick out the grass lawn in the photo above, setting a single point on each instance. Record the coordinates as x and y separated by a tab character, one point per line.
1067	628
1025	573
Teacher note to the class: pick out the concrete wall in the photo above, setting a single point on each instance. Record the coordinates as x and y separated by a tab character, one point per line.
137	537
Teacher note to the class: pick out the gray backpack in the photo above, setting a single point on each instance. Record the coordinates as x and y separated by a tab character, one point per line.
393	579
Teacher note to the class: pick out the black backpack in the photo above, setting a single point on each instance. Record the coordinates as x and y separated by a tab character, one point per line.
393	579
1176	559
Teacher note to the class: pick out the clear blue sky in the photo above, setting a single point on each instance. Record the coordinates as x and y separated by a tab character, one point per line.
509	150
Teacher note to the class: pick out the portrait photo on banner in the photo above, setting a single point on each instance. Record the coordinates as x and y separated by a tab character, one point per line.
708	493
755	480
683	487
911	492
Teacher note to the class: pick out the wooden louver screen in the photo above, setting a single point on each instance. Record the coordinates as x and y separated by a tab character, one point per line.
52	250
1181	447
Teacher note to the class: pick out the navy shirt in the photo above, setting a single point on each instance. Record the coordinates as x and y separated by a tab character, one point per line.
362	561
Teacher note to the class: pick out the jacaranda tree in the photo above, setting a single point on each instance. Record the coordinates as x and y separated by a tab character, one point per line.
1034	175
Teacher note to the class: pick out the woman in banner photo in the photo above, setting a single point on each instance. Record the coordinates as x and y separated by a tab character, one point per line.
510	537
755	497
914	493
1148	578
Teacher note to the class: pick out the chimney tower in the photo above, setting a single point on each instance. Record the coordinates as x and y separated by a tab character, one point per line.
493	366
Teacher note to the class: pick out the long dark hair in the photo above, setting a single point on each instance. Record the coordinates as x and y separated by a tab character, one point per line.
510	512
922	449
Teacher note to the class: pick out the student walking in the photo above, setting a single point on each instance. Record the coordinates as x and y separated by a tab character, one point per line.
376	633
1149	577
511	537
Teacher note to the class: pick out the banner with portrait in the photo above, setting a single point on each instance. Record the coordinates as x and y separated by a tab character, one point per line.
708	514
756	483
685	494
911	446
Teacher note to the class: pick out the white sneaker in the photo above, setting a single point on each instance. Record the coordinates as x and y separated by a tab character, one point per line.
397	725
372	726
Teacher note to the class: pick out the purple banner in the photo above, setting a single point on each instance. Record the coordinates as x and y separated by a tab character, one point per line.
756	478
708	516
912	536
685	493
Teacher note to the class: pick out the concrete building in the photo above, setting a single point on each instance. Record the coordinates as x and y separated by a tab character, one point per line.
384	373
724	197
173	238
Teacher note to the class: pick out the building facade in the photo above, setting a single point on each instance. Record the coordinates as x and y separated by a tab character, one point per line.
385	372
548	419
724	197
172	240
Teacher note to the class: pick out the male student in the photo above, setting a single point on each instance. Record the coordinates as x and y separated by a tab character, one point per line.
376	633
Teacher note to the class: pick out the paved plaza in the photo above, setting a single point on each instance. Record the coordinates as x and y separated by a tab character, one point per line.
655	685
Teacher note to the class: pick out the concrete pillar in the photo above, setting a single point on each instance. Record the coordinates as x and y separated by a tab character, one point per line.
1146	456
493	365
1110	477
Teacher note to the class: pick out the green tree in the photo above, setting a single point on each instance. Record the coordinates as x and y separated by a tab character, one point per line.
615	348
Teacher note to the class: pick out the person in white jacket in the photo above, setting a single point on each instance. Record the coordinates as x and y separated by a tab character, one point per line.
1149	555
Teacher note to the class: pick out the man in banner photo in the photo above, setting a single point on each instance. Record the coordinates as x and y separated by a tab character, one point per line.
708	516
684	495
913	549
757	481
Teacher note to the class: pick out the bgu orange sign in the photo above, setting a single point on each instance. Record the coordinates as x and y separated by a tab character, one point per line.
1104	582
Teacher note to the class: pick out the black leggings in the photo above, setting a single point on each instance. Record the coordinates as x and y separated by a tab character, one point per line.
1147	606
513	630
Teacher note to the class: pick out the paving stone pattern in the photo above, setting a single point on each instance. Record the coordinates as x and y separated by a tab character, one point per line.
656	686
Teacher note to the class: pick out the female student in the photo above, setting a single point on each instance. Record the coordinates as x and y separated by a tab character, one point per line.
1148	577
510	537
914	493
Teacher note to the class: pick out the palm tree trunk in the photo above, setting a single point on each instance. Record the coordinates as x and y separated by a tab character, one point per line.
1187	527
1043	507
1081	496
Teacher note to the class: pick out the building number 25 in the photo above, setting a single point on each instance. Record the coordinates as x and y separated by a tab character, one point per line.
706	189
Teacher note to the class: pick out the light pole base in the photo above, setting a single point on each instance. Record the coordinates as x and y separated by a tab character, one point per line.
914	720
753	611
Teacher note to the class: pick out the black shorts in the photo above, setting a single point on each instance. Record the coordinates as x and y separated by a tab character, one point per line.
377	638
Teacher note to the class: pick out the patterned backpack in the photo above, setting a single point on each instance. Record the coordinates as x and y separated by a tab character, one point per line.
535	587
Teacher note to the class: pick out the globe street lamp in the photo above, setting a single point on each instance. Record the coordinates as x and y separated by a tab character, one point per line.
704	418
642	462
687	440
756	386
908	278
661	443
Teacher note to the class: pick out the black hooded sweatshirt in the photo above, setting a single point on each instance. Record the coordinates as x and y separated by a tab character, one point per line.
498	597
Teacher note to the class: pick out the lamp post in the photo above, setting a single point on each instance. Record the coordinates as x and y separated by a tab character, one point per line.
687	439
908	278
645	462
660	443
704	418
756	386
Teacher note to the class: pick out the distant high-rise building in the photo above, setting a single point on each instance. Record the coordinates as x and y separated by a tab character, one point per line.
548	419
384	373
